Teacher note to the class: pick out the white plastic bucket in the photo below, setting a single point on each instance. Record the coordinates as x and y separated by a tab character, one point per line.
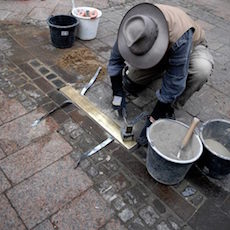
87	29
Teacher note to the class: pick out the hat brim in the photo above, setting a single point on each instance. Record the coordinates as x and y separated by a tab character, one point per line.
158	50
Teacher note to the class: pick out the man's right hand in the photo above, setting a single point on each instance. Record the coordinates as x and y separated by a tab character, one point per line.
118	102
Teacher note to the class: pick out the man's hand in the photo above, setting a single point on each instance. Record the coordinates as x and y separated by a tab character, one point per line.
142	139
161	110
118	102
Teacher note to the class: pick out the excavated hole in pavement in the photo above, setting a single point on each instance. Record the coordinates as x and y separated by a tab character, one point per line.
84	61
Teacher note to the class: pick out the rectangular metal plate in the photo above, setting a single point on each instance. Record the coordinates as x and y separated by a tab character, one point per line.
104	121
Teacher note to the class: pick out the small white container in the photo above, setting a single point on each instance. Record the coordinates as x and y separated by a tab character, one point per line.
87	29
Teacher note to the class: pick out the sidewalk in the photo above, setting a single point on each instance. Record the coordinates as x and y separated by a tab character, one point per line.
112	190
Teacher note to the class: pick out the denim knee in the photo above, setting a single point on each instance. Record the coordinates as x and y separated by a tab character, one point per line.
201	70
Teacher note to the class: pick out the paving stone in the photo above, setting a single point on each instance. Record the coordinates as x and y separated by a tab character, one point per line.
46	225
21	96
209	217
207	188
44	85
35	63
107	190
70	108
30	104
57	97
226	206
88	211
66	76
10	108
43	70
93	172
137	224
86	123
2	154
11	141
34	157
109	40
144	98
69	127
46	192
134	197
29	71
58	83
120	182
159	206
31	36
51	76
149	215
8	217
60	116
197	200
126	215
162	226
40	13
114	224
51	56
118	203
4	14
16	53
165	193
214	104
28	88
174	223
4	183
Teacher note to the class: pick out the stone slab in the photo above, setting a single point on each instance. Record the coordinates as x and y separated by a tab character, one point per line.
19	133
34	157
86	212
8	216
46	225
14	52
30	36
2	154
209	217
4	183
40	13
10	108
48	191
114	224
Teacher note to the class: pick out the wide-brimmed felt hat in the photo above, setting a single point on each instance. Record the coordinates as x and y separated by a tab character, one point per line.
143	36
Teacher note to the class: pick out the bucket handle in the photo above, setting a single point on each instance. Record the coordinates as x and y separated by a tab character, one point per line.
73	4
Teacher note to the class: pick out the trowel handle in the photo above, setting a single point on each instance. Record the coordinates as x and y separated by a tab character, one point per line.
189	132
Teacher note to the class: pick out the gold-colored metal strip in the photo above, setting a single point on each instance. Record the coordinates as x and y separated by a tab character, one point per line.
104	121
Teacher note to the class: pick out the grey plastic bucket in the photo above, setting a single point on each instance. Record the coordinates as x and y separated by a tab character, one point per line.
163	166
213	163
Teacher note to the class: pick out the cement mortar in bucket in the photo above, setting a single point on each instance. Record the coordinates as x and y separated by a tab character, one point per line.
215	136
164	140
87	29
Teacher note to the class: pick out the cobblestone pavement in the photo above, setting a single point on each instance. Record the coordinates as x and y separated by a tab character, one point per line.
112	190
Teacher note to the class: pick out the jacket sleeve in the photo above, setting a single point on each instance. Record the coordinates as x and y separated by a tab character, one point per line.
116	62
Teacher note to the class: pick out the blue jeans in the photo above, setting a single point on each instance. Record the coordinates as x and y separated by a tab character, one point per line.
174	79
185	71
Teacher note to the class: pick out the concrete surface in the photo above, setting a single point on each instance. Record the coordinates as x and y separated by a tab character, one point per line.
112	190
